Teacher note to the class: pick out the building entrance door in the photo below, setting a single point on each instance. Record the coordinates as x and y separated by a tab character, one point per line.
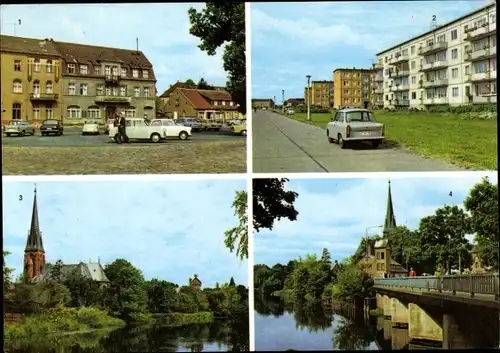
110	112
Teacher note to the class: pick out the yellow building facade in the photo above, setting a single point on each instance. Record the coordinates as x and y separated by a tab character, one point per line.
30	80
322	94
352	88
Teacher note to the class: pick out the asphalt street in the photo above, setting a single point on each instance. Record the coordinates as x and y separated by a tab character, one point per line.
281	144
72	137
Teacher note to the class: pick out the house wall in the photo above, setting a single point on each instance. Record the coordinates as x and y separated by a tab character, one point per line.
179	105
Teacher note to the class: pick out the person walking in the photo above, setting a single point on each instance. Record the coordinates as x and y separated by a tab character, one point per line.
412	273
122	126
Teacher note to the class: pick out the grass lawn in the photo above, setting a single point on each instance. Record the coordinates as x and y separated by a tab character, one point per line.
207	157
466	143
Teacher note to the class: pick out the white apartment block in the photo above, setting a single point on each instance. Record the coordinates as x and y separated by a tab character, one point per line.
454	64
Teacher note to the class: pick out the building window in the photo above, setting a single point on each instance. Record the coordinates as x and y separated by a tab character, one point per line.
135	73
441	38
412	50
454	34
108	91
454	53
467	69
74	112
145	73
17	87
223	102
107	70
17	65
413	65
94	113
36	88
382	255
36	65
146	91
16	111
454	73
83	89
36	112
215	102
49	113
137	92
124	72
413	95
346	100
114	71
454	92
115	91
71	89
130	113
413	80
123	91
48	87
71	68
48	66
97	70
100	90
83	69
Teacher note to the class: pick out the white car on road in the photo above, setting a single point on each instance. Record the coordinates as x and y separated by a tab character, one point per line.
155	130
171	129
90	127
350	125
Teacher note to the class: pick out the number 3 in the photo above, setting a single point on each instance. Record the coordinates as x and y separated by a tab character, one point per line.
20	197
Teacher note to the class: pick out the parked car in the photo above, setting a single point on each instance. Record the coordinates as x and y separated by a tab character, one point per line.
240	129
290	111
51	126
208	125
106	125
19	128
194	124
171	129
352	124
90	127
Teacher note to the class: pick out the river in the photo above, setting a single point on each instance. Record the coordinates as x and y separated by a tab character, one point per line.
218	336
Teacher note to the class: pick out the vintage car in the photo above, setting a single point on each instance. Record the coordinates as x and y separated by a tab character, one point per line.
354	125
240	129
194	124
51	126
209	125
290	111
171	129
90	127
19	128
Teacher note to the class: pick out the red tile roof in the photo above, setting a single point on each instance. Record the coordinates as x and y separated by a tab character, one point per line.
218	95
196	99
202	99
172	88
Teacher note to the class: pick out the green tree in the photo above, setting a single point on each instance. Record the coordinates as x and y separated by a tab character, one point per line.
482	203
162	296
125	295
190	82
443	235
237	237
84	291
352	284
325	256
36	298
219	23
7	271
56	271
202	84
231	282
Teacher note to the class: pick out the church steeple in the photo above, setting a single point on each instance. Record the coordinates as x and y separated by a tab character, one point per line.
34	242
390	219
34	254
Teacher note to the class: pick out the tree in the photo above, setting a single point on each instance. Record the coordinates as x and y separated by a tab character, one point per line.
482	203
239	233
190	82
231	282
7	271
443	236
56	271
162	296
202	84
325	256
352	284
219	23
84	291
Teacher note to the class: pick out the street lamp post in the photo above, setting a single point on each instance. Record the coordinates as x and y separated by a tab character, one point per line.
308	97
274	103
283	100
370	227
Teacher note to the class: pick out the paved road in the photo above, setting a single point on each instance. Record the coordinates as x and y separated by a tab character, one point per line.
284	145
72	137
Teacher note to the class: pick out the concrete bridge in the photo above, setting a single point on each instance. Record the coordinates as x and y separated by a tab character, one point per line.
459	311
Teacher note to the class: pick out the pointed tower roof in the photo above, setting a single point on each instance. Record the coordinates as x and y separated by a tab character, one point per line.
390	219
34	242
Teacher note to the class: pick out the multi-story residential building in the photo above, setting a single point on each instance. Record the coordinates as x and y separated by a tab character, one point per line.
352	88
30	79
293	102
322	94
262	103
99	82
453	64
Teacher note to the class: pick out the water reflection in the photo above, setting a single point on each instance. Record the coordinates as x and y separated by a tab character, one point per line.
218	336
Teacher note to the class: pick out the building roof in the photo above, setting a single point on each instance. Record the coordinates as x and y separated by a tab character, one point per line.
83	53
321	81
381	243
93	271
28	45
34	241
216	95
201	99
397	267
172	88
195	98
353	69
475	12
390	218
261	100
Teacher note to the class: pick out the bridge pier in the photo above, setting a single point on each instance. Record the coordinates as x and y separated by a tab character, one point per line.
386	305
399	338
421	326
399	313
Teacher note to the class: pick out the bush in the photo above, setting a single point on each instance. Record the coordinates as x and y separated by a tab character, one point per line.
181	319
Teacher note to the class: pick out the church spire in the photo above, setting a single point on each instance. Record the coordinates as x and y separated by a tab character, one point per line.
34	242
390	219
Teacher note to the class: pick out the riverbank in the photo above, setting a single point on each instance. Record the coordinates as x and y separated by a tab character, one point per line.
61	321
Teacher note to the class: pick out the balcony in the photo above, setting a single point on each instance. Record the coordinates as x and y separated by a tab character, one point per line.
483	31
436	65
378	66
44	97
379	78
399	88
433	48
113	99
379	91
436	100
401	102
112	79
483	76
435	83
399	73
399	59
481	54
485	99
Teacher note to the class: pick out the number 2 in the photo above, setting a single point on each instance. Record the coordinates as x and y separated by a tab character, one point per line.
434	17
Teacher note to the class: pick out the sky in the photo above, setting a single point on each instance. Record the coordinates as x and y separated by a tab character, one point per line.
162	29
292	40
335	213
170	230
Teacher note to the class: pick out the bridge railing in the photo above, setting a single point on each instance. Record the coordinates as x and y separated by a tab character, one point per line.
484	283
